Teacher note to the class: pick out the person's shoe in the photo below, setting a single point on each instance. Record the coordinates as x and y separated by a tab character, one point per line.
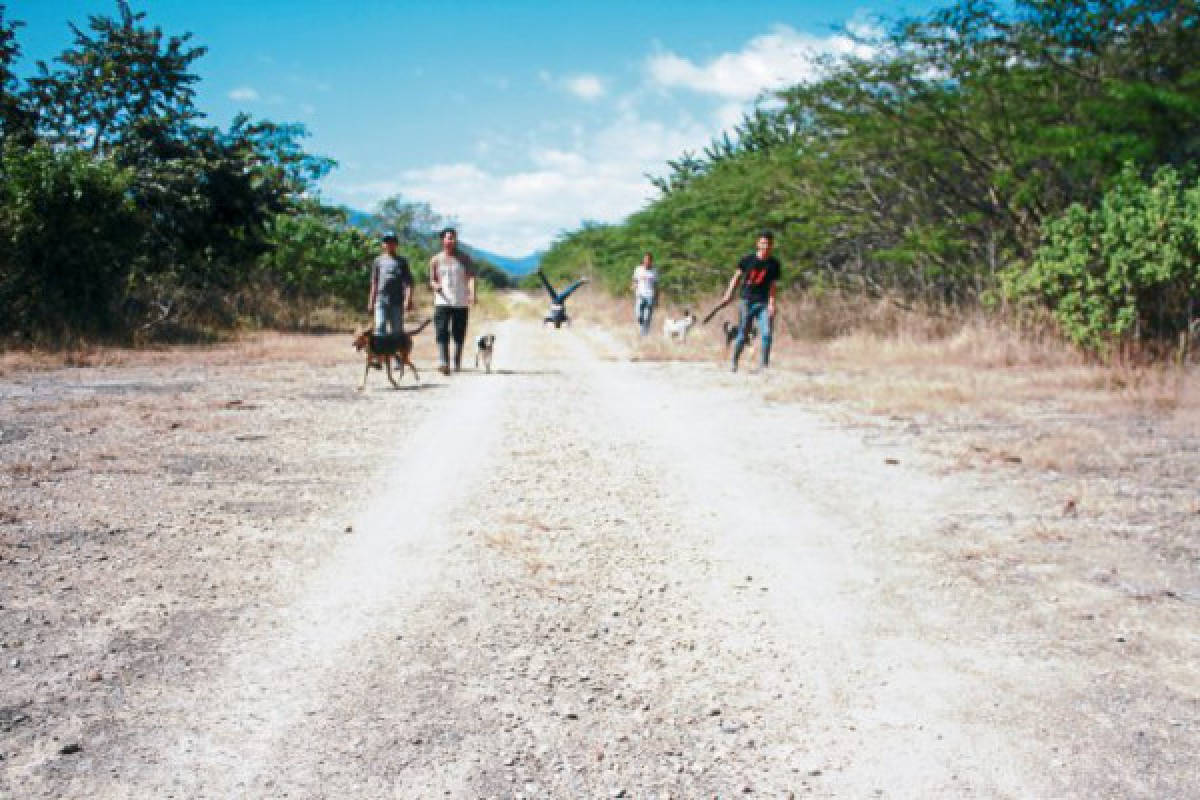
398	364
444	369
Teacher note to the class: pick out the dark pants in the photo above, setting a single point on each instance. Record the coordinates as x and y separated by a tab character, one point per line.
450	322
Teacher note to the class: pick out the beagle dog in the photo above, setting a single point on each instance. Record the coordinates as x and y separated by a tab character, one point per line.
384	348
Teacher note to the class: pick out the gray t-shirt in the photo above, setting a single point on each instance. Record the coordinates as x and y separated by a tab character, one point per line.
391	276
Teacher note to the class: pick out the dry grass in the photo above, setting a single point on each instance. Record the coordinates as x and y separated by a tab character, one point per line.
905	362
329	344
981	394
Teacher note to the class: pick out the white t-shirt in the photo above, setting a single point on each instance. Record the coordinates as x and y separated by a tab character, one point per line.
452	273
645	281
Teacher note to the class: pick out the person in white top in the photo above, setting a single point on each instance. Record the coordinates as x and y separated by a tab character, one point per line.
452	278
645	292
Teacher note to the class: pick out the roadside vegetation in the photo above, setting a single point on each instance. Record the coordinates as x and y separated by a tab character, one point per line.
1026	159
1034	164
124	217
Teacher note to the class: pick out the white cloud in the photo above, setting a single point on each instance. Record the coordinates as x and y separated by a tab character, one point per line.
728	115
783	57
602	178
528	187
585	87
244	94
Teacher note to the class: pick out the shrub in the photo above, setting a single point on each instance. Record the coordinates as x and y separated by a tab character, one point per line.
68	242
1127	270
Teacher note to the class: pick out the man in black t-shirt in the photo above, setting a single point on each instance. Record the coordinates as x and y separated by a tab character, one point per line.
758	273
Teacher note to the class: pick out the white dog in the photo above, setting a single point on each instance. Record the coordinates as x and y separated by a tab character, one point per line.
677	329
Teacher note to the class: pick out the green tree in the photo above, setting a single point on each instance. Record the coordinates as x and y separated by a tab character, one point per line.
1127	269
118	87
68	241
16	124
316	257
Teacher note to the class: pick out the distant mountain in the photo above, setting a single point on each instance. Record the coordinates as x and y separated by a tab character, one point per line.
359	219
517	267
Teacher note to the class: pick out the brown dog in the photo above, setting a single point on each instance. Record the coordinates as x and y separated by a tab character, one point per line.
385	348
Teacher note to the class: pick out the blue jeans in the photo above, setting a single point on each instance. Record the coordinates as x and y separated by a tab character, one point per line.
757	312
388	317
643	310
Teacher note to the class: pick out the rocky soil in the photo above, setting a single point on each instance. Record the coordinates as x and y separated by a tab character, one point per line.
229	574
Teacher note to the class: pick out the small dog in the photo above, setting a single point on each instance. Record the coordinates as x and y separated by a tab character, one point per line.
484	347
677	329
731	332
385	348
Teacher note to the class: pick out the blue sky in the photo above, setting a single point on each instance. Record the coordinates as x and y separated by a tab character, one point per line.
517	119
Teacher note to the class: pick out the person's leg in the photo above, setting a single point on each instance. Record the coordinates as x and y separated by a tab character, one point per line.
764	328
459	331
549	289
565	293
740	341
393	315
381	312
441	334
643	315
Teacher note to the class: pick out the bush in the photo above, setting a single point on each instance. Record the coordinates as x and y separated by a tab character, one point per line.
68	242
1128	270
316	257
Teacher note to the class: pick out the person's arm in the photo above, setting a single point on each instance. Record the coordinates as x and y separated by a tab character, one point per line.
771	300
435	281
732	287
408	289
549	289
374	289
469	268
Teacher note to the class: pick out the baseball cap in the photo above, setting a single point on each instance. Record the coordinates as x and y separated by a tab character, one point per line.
389	236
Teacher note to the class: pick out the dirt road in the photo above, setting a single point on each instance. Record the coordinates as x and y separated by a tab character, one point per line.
575	577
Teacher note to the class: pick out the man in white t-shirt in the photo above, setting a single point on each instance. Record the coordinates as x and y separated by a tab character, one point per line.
452	278
645	291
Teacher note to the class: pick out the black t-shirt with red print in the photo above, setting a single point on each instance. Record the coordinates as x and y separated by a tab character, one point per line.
757	277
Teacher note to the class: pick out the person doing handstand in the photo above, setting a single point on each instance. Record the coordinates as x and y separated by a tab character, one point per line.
558	301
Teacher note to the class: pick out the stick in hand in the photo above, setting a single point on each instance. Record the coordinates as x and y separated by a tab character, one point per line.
713	313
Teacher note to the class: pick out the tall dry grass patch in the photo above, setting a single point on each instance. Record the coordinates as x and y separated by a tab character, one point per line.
883	356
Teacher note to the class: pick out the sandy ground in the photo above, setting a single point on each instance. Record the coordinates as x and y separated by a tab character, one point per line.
577	576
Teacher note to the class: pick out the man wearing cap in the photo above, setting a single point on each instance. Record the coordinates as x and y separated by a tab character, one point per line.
391	288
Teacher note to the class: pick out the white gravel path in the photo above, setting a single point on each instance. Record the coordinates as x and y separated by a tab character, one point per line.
582	577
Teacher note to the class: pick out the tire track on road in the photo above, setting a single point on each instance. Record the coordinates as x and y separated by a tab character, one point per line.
241	735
